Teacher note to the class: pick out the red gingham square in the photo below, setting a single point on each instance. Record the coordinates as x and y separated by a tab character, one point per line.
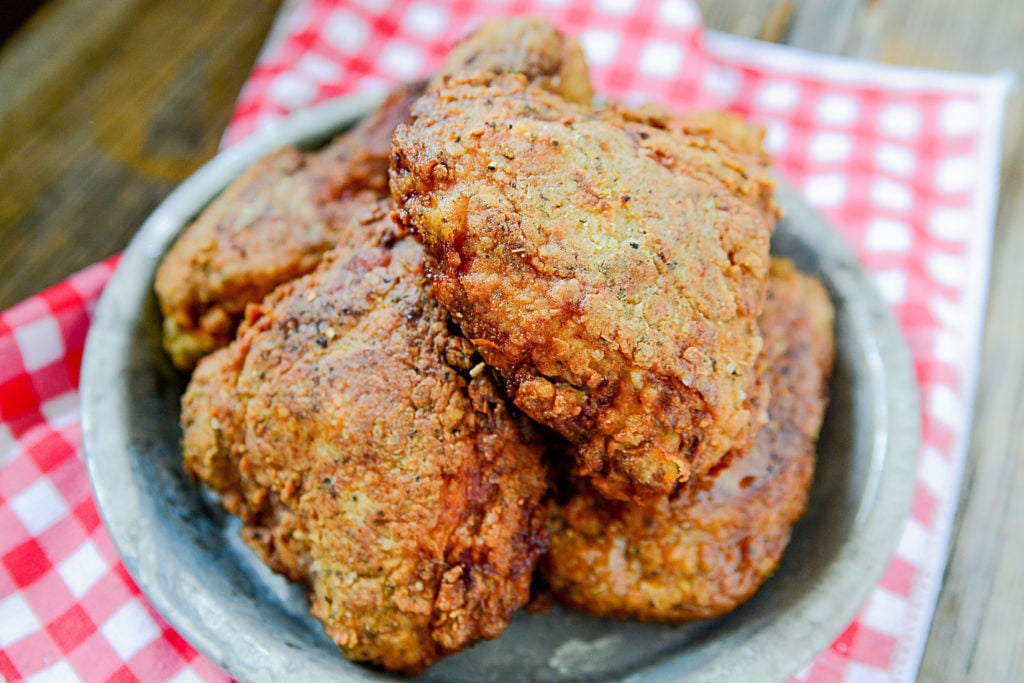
50	451
87	515
17	395
25	563
7	669
71	628
903	161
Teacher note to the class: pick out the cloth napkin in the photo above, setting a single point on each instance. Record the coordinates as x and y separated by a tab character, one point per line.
903	161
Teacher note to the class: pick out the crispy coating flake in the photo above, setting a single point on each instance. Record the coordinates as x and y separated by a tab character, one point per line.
610	263
369	454
273	224
707	550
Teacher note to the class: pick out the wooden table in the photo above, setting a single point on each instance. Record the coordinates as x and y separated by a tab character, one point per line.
105	107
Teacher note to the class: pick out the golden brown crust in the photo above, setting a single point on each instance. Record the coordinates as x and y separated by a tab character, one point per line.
609	263
370	455
707	550
530	46
273	224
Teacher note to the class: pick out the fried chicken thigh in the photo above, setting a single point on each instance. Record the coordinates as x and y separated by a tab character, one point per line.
610	263
273	224
370	455
703	552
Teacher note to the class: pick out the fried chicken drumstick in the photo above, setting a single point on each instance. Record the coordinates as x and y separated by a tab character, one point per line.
610	263
702	553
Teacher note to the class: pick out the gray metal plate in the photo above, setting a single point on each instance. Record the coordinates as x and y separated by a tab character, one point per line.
185	555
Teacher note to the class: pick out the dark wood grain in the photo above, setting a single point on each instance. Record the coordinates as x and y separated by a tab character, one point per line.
106	106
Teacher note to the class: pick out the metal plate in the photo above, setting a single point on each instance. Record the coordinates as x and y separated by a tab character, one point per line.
185	555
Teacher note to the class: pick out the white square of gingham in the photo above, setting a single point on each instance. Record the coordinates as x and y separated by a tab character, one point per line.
40	343
39	506
129	630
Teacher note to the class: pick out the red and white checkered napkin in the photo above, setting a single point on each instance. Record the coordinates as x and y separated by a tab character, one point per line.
903	161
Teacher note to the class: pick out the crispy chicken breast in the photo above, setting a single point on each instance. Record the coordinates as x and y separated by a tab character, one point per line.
609	262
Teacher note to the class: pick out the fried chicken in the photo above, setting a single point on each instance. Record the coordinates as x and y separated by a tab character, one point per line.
707	550
610	263
273	224
370	454
530	46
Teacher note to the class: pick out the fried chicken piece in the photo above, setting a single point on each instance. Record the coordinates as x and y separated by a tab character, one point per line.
274	223
530	46
704	552
610	263
370	454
